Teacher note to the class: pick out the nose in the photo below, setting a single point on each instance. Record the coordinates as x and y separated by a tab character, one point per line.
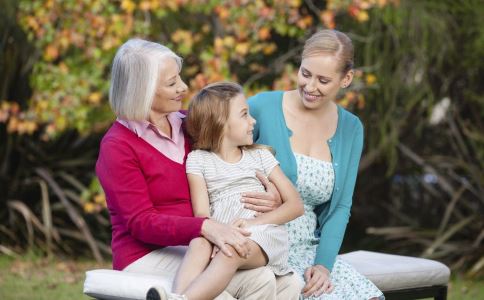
182	87
311	85
252	120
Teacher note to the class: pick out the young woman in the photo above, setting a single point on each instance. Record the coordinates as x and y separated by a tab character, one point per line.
318	145
222	167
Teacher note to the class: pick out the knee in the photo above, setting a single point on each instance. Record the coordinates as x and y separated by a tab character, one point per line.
200	244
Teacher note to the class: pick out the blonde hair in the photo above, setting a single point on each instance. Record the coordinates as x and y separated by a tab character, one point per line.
331	42
208	112
134	77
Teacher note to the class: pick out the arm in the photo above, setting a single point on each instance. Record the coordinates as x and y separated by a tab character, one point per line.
199	196
291	207
129	201
217	233
334	228
262	202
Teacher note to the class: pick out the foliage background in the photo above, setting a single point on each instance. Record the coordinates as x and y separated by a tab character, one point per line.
418	90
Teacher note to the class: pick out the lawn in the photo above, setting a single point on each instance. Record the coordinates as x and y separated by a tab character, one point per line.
36	278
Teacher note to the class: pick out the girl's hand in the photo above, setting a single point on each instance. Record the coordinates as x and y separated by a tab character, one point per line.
243	223
317	281
215	250
262	202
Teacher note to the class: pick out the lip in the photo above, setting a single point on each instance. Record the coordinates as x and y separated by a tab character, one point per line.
310	97
179	98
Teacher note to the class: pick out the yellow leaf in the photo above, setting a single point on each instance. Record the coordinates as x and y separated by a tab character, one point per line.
229	41
370	79
264	33
51	53
242	48
94	98
89	207
128	6
362	16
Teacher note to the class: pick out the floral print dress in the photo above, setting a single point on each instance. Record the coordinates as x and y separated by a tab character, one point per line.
315	185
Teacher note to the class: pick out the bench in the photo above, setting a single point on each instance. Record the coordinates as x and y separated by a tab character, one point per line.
399	277
402	277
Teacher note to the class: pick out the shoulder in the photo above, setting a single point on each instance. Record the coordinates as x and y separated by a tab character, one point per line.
349	121
198	154
263	99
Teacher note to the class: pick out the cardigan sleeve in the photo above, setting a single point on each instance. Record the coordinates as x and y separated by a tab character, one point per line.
129	202
334	228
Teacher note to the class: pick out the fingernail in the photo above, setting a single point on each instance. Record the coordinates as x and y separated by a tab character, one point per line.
242	200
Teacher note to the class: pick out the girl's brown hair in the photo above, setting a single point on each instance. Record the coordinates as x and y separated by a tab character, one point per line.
208	112
332	42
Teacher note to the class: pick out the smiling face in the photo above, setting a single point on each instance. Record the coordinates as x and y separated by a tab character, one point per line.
170	90
319	80
240	125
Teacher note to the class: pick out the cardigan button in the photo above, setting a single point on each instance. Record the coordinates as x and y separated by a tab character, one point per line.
335	164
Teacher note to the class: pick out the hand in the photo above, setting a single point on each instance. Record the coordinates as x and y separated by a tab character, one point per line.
243	223
317	281
222	235
215	250
262	201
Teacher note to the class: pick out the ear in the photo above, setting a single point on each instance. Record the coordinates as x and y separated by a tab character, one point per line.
347	78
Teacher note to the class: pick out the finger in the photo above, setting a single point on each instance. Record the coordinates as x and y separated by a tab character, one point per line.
263	179
307	277
258	198
225	250
316	286
330	288
257	208
323	288
241	250
243	231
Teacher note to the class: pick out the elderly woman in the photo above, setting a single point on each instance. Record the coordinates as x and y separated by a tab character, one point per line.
318	145
141	167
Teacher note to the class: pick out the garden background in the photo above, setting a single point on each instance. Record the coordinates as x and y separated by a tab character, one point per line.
418	90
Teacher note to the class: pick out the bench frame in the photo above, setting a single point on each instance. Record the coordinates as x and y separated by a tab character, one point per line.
438	292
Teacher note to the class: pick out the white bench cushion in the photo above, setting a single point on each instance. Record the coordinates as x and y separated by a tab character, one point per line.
394	272
111	284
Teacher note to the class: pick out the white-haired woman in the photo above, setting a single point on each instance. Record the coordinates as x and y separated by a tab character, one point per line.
141	167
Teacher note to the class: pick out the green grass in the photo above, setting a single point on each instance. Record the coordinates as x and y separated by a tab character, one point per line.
31	277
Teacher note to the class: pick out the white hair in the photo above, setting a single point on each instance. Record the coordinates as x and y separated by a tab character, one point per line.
134	77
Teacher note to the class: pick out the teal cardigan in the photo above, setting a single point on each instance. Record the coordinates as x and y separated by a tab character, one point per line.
345	146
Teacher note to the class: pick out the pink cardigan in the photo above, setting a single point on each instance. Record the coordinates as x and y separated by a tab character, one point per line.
147	196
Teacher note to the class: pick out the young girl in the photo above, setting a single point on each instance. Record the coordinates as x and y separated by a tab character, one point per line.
222	166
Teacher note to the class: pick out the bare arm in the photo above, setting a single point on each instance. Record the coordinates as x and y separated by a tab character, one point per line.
199	196
291	207
219	234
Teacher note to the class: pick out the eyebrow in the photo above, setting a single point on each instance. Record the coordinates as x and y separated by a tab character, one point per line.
321	76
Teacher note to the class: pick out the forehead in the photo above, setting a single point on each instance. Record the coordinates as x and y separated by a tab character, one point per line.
238	102
326	65
168	68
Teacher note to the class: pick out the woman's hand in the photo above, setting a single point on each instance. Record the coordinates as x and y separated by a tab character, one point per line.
222	235
317	281
262	202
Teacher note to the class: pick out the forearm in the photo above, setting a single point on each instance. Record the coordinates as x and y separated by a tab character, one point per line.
287	212
332	235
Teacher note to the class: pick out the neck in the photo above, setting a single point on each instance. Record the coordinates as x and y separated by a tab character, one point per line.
160	120
229	153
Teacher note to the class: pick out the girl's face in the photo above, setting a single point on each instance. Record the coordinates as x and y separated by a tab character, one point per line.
170	90
240	125
319	80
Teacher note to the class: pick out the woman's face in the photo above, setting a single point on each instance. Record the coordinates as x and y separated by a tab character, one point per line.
170	90
319	80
